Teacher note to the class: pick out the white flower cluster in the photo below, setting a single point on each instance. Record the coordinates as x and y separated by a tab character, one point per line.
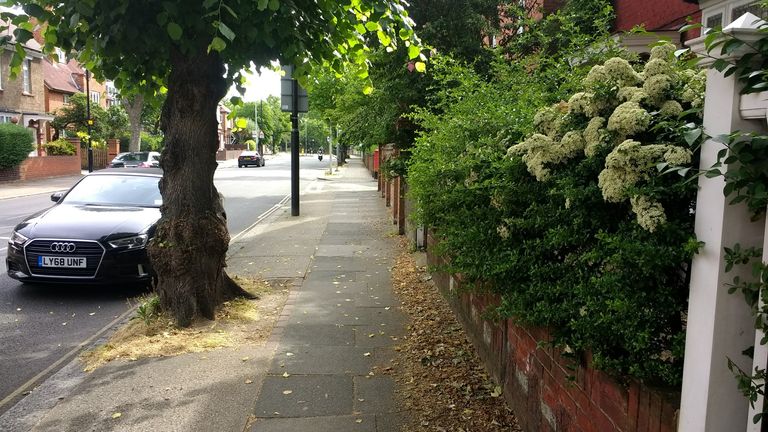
548	120
657	87
539	150
657	67
631	162
581	103
502	231
650	214
629	119
662	87
596	77
620	72
595	135
693	90
671	108
663	51
632	94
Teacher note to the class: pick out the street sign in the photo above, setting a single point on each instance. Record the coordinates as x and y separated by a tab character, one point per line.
286	93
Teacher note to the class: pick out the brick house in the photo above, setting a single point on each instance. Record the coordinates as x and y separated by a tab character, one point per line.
22	100
225	126
662	17
65	78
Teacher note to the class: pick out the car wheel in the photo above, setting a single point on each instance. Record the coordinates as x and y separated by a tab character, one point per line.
263	162
239	166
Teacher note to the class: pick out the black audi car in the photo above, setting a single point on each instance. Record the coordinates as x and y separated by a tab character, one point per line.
97	231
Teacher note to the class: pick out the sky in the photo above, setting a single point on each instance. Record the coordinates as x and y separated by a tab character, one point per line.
260	86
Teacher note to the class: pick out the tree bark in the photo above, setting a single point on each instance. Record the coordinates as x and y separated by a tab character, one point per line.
189	248
133	108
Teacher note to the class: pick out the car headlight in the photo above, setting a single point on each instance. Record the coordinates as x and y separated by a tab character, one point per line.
134	242
17	239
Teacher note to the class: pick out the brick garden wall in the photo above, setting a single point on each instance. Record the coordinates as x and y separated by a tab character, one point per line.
536	379
223	155
42	167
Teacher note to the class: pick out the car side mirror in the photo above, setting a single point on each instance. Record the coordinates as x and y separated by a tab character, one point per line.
56	196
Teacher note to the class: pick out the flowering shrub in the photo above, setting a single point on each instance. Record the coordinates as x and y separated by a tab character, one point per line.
559	207
634	103
59	147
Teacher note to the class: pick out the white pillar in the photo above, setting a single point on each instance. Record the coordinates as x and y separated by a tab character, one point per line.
720	325
760	359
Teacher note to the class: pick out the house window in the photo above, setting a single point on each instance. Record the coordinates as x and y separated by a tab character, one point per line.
715	20
729	11
95	97
26	71
66	99
754	8
5	118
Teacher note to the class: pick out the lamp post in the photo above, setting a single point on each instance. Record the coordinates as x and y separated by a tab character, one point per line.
88	119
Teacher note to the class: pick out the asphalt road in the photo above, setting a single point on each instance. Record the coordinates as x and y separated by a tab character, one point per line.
42	327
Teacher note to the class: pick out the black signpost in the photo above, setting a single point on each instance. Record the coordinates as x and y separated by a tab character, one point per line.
293	99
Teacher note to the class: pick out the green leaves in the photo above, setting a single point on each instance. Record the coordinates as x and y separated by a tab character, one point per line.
413	52
263	4
217	44
226	31
174	31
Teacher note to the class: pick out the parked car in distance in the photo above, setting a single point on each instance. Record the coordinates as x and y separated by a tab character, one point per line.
136	160
117	162
248	158
97	232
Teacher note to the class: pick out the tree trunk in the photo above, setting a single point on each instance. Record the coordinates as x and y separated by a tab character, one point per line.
133	108
189	248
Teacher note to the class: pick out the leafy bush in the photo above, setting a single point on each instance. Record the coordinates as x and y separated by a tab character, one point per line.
599	259
60	147
15	144
151	142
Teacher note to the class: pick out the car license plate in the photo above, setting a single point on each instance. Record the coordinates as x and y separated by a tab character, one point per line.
61	262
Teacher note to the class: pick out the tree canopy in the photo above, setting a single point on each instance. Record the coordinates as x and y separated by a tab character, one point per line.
196	50
133	42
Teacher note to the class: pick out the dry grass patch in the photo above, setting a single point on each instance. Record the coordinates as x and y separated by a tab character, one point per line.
153	334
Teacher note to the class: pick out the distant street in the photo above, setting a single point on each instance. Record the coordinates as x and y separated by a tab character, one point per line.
40	325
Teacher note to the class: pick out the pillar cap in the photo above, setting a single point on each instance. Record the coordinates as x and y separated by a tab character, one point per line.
746	27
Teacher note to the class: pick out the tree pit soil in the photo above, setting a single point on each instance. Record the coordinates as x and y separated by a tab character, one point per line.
441	384
239	321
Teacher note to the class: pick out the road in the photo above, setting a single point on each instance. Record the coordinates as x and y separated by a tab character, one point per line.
42	327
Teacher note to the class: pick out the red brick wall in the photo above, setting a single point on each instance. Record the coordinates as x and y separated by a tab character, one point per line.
222	155
549	392
655	14
42	167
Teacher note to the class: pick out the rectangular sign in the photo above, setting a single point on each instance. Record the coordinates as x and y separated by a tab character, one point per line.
61	262
286	93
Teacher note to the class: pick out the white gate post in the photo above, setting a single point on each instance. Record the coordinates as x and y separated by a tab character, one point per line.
720	325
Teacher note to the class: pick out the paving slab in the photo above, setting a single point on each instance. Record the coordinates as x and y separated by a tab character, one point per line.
357	423
305	396
317	334
368	395
322	360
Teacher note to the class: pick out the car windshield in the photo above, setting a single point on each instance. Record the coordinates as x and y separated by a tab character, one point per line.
136	157
116	190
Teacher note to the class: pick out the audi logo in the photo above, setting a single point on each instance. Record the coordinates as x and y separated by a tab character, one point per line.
62	247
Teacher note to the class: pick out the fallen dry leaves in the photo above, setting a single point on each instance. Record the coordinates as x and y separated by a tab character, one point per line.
440	378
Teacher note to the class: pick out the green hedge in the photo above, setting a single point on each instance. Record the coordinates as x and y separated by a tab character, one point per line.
15	144
559	254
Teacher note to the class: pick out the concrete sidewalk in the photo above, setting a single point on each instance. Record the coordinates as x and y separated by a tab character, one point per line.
22	188
324	367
